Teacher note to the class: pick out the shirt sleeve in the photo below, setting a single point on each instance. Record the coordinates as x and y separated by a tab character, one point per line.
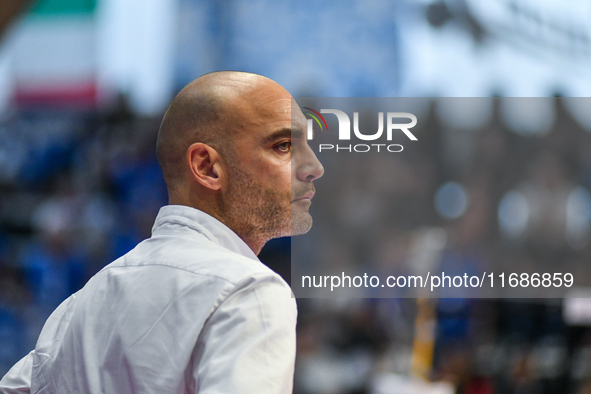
18	379
248	344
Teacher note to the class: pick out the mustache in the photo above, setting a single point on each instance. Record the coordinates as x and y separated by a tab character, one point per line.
304	189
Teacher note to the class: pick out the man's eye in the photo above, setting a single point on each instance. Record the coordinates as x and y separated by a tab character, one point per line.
284	147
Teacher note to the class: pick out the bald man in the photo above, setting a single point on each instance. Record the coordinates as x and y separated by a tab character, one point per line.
192	309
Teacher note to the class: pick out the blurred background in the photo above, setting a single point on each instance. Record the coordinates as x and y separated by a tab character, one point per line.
83	86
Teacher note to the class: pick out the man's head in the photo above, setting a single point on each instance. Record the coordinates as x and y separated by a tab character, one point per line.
232	144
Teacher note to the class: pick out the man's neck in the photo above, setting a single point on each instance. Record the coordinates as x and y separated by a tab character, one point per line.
250	237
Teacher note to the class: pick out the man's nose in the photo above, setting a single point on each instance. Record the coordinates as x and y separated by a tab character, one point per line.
310	168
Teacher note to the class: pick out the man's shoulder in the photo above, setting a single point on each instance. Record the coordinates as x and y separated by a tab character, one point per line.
177	255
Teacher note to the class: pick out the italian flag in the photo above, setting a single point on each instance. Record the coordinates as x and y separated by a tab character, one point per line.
53	54
82	53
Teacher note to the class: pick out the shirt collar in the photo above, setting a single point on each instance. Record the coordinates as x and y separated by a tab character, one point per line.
199	221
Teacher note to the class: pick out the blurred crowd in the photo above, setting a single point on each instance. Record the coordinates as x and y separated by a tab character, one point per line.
81	188
77	190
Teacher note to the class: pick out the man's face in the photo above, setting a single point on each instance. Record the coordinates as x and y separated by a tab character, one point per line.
270	172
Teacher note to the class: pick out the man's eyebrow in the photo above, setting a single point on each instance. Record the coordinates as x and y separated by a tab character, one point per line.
284	133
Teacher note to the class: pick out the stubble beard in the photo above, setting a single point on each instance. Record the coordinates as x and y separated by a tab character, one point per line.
301	220
255	211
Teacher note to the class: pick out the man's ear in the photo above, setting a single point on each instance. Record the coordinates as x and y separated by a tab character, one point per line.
205	165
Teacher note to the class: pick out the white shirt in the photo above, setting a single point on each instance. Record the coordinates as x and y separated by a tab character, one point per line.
189	310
